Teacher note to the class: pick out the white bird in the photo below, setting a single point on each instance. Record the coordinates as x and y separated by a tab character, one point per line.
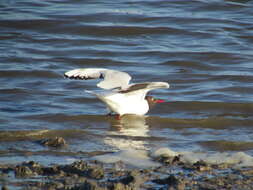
120	97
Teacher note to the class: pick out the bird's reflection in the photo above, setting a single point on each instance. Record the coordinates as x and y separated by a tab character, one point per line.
130	132
128	138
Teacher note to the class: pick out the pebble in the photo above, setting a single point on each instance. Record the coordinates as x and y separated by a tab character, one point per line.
23	171
56	142
5	188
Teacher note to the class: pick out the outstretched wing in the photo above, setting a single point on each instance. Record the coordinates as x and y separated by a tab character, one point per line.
141	89
145	86
112	78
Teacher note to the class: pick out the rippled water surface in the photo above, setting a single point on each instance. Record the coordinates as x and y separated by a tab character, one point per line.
202	48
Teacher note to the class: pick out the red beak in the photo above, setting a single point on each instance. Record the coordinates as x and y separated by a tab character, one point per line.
159	101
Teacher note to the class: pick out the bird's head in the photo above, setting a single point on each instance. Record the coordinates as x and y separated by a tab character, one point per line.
153	101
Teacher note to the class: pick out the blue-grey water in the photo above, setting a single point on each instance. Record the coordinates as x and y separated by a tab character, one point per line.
202	48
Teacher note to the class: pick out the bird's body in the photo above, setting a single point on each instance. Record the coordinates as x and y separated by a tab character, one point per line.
124	103
120	96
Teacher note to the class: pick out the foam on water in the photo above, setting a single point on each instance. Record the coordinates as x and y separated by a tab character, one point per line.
137	158
141	158
239	159
164	151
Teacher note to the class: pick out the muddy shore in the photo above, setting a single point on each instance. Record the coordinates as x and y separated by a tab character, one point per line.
171	174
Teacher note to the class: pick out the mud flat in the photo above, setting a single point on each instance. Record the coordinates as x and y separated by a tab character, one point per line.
173	173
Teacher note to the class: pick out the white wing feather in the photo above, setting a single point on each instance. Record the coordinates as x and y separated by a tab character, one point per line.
112	78
141	89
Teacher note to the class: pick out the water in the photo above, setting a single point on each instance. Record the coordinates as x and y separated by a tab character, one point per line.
202	48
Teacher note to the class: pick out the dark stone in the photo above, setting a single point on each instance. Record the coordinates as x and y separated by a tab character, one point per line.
200	163
201	166
5	188
56	142
127	179
87	185
81	168
50	170
79	165
78	168
171	180
130	177
34	166
169	160
95	172
23	171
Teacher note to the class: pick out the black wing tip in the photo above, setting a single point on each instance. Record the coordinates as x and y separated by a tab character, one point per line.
78	77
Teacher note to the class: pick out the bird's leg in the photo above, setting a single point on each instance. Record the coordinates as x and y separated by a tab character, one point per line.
117	117
111	113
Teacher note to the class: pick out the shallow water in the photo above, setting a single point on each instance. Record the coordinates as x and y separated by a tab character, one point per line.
202	48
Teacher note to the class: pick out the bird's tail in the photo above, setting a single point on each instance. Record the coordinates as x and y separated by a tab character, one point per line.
102	96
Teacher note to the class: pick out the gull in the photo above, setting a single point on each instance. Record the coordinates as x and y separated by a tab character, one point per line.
119	96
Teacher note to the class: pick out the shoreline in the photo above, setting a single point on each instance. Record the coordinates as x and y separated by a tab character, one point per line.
172	174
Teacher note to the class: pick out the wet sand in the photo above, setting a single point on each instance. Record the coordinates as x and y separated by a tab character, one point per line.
173	173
